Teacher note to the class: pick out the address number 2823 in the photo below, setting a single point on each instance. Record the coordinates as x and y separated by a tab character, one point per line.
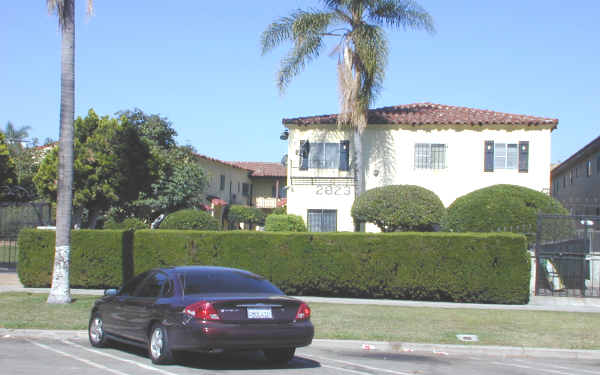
333	190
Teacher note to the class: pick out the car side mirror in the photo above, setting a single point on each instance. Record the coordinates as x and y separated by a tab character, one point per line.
111	292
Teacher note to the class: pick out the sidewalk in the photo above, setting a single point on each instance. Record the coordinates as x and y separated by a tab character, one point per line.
9	282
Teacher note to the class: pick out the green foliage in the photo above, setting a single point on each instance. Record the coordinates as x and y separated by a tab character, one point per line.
180	184
130	223
500	207
284	223
99	259
399	208
7	166
112	166
190	219
245	214
280	210
482	268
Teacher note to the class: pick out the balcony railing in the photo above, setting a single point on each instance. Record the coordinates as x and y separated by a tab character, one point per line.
264	202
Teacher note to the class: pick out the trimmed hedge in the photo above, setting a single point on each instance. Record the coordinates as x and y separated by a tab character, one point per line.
244	214
399	208
284	223
483	268
190	219
130	223
99	258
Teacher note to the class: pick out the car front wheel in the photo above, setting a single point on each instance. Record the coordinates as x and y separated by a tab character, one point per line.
279	355
158	346
96	332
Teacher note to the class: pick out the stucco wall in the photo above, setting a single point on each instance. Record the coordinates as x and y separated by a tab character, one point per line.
388	157
234	177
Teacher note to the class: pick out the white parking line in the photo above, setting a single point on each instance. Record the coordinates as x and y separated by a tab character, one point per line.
358	365
68	355
102	353
532	368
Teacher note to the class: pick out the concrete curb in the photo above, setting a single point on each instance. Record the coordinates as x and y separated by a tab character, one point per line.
381	346
446	349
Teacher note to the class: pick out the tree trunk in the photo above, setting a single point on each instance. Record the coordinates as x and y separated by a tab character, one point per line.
359	176
60	291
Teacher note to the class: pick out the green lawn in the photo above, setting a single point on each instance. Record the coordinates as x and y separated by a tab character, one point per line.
368	323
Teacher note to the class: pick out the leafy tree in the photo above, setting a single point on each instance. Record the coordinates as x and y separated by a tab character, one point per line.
7	169
180	181
361	45
244	214
15	137
112	166
180	184
399	208
65	10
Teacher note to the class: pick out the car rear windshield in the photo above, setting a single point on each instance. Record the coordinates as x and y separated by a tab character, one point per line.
209	282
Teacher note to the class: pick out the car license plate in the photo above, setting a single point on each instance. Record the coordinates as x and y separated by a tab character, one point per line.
260	313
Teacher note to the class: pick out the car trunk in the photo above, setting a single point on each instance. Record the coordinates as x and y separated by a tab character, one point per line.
255	310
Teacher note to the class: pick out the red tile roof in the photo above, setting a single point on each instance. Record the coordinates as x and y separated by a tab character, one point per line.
256	169
433	114
262	169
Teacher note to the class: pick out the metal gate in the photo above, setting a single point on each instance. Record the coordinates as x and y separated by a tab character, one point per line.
567	254
13	218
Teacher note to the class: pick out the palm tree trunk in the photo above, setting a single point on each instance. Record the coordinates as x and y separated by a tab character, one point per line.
60	291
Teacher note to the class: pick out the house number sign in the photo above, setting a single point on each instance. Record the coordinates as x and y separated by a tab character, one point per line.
333	190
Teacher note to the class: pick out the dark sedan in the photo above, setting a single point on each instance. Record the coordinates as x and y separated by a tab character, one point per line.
201	309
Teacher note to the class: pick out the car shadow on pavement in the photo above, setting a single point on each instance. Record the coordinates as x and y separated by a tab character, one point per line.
399	357
242	360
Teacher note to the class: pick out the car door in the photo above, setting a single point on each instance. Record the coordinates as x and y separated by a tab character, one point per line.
116	321
142	308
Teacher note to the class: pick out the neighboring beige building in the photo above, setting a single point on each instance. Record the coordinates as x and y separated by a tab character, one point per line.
576	181
257	184
446	149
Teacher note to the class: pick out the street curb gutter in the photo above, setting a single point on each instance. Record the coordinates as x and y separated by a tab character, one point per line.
377	346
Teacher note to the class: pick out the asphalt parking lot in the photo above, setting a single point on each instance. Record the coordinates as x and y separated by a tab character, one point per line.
65	356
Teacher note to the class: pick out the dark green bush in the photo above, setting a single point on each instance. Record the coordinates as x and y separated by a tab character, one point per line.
500	208
99	258
399	208
244	214
190	219
280	210
484	268
284	223
130	223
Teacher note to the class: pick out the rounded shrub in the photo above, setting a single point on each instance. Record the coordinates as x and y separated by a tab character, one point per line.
284	223
130	223
399	208
190	219
245	214
507	208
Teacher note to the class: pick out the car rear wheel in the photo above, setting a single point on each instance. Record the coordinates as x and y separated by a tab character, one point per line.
158	346
279	355
96	332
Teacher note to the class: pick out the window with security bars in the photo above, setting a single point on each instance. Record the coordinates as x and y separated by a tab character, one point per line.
322	220
430	156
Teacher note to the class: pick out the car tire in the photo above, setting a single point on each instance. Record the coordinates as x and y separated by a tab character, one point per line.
158	346
279	355
96	333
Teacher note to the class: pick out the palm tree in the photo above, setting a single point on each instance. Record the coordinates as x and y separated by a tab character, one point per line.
15	136
65	10
362	50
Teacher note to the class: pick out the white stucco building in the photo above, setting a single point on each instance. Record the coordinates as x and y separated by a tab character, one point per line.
447	149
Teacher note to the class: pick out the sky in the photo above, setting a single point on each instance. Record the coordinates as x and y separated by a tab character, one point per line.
198	63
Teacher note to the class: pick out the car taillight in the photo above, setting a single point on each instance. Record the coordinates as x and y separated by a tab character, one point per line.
303	312
202	310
